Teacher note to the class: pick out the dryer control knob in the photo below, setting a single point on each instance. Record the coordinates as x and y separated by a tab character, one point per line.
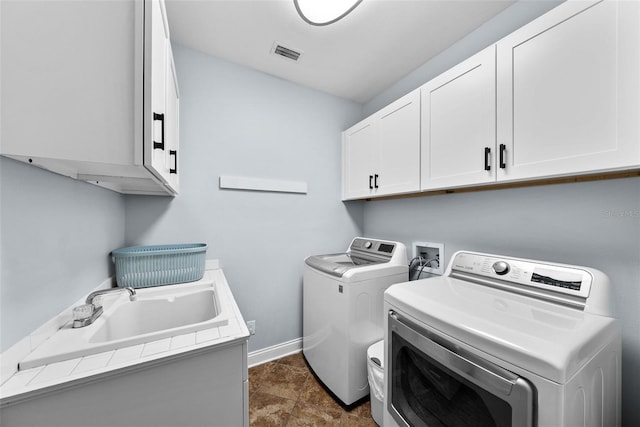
368	244
501	268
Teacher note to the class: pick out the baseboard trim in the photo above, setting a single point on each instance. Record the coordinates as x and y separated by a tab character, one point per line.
277	351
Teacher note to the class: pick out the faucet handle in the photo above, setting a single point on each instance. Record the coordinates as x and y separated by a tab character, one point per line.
97	301
83	312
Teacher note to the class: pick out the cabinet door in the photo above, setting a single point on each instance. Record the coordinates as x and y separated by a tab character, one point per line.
67	83
156	149
568	91
398	160
359	148
172	122
459	124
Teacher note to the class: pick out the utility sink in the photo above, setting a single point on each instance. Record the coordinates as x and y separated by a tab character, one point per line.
146	316
156	314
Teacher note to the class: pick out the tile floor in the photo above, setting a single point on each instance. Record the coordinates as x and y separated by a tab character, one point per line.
284	392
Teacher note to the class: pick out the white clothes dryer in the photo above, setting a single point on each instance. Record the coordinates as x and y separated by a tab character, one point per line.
502	341
342	311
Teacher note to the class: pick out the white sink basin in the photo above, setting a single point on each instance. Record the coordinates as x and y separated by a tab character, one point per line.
145	316
158	313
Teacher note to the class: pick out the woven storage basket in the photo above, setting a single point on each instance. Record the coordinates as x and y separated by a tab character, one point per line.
146	266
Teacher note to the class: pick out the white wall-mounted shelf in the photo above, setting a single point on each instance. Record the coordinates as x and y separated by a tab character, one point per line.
262	184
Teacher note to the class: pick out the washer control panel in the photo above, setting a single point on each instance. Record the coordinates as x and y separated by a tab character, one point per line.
373	246
550	277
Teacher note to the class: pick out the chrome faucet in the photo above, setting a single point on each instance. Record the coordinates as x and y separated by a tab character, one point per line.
87	313
92	295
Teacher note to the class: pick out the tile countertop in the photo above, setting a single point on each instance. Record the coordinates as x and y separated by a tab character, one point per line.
29	383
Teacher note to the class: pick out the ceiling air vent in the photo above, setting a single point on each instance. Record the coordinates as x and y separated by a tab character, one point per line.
286	52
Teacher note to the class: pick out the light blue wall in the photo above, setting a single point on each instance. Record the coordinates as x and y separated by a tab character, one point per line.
512	18
55	237
595	224
240	122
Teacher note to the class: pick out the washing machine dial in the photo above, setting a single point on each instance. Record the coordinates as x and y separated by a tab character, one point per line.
367	245
501	268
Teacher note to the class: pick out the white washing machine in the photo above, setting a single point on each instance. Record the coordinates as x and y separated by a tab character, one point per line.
501	341
342	311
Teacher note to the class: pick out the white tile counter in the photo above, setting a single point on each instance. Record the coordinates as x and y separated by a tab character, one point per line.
32	385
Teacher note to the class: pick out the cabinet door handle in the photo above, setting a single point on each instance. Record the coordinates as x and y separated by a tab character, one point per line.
375	181
174	153
503	148
487	153
370	182
159	145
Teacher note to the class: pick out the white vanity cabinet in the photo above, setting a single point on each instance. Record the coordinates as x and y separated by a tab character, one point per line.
459	125
89	91
569	92
381	154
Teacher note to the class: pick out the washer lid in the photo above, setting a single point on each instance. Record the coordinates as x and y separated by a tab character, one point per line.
550	340
338	264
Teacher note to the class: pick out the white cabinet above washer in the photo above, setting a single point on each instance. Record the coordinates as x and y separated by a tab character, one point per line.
458	125
79	80
381	154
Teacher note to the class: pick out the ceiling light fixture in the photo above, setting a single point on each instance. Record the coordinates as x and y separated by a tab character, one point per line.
324	12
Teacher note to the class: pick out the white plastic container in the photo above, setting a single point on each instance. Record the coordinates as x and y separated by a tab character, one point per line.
375	372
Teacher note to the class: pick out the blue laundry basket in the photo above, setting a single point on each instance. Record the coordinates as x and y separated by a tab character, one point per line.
157	265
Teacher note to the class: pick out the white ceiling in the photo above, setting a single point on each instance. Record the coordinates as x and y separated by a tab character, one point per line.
356	58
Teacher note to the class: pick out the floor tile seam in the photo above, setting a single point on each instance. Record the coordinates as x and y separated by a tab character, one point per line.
275	395
282	362
322	407
261	375
268	392
258	390
288	417
295	368
303	387
298	399
291	417
266	370
287	413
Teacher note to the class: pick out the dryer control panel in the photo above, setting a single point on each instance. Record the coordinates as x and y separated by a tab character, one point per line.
524	274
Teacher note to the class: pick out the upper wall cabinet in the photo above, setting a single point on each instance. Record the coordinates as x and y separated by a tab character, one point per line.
558	97
89	91
359	151
459	124
569	92
381	154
